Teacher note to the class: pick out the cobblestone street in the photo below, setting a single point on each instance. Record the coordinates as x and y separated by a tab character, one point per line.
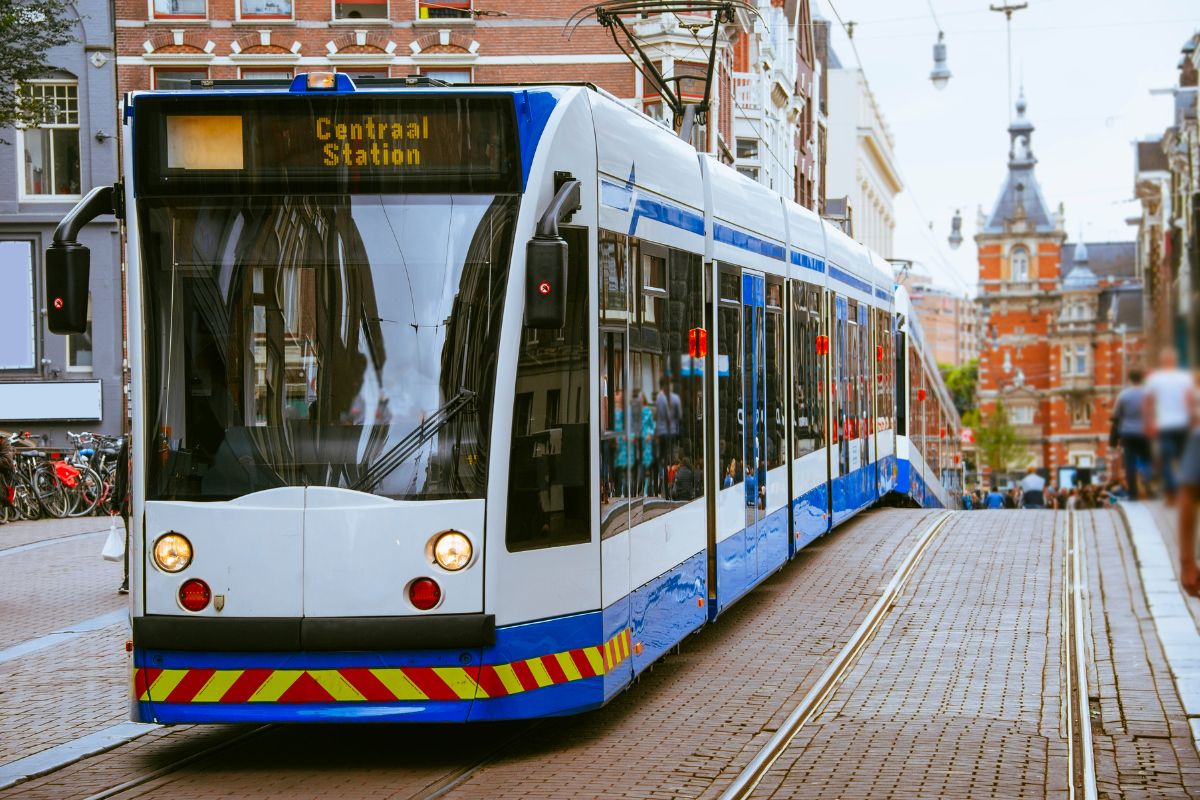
958	694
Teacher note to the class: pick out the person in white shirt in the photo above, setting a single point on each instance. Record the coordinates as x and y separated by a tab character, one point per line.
1168	415
1033	490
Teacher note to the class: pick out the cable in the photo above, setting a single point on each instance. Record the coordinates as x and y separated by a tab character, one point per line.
933	13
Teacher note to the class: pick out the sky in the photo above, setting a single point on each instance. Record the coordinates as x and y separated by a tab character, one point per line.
1088	67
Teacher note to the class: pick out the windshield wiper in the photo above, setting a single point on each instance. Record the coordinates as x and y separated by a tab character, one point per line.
417	438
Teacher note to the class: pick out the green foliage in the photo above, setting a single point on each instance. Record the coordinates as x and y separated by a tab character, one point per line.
1000	447
28	29
961	381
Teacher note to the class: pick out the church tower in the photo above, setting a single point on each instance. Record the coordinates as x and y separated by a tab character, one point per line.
1020	245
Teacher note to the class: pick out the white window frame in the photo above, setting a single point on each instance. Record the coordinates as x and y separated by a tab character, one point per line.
1012	262
290	69
467	68
237	5
67	355
156	71
34	313
333	17
1024	418
24	196
1081	414
155	17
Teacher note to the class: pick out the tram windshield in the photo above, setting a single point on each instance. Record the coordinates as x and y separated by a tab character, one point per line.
344	340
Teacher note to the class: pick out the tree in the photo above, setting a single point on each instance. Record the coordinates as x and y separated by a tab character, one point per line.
961	380
28	29
1000	447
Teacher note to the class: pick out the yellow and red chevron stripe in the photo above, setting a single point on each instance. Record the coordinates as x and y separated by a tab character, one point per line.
384	684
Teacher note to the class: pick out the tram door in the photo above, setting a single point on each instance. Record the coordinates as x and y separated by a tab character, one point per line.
754	412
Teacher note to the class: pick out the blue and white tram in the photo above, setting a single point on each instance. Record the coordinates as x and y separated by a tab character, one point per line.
468	403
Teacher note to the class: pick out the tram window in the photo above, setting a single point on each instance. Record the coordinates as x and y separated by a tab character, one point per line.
729	380
652	394
549	476
776	379
900	385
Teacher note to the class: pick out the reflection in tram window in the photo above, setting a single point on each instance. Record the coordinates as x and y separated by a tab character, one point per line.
651	390
550	465
809	382
776	406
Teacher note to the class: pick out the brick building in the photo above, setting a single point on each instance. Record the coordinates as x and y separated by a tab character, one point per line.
1062	322
768	58
949	320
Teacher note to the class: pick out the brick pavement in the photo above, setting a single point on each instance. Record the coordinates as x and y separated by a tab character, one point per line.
54	587
14	534
673	733
1142	741
79	685
958	693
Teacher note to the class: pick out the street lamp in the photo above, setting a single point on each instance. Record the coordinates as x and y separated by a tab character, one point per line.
941	73
956	237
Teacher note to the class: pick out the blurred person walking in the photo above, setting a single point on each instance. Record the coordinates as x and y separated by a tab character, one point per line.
1167	409
1129	431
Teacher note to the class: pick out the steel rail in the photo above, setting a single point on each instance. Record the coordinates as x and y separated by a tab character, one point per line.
1081	761
141	780
813	702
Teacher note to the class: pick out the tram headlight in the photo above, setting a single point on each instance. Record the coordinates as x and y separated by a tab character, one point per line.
172	552
452	551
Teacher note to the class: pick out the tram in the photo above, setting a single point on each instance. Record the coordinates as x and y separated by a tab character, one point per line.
469	403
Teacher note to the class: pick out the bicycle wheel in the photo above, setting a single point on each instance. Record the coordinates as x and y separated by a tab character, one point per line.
88	491
24	502
56	499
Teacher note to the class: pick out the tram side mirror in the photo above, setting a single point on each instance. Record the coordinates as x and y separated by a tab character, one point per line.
545	283
546	259
68	265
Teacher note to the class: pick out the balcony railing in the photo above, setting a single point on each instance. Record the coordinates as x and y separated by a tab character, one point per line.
747	93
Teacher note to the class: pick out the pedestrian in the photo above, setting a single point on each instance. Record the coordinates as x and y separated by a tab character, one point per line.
1033	489
995	499
967	501
1189	572
1012	498
1168	415
1129	430
685	486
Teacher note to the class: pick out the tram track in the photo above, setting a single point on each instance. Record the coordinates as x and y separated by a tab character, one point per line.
811	705
1081	773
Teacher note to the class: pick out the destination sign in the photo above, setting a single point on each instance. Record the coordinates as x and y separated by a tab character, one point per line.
289	143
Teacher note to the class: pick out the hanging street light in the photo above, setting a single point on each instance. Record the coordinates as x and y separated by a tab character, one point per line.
941	73
955	239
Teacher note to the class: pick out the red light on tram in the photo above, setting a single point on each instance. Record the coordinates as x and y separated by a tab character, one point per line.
698	343
194	595
879	352
943	433
544	288
424	593
58	302
921	395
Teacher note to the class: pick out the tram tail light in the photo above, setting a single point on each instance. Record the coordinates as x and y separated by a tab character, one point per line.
921	395
424	593
194	595
698	343
879	352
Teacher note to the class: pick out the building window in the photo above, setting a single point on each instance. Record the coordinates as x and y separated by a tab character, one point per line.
79	346
267	73
360	9
179	9
358	73
444	9
178	78
747	148
749	172
17	310
264	9
51	147
1020	265
1022	415
1081	413
449	74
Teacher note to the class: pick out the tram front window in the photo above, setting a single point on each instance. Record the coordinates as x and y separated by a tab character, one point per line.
312	340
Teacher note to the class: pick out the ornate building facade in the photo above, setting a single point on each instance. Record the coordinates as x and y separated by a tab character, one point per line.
1061	322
